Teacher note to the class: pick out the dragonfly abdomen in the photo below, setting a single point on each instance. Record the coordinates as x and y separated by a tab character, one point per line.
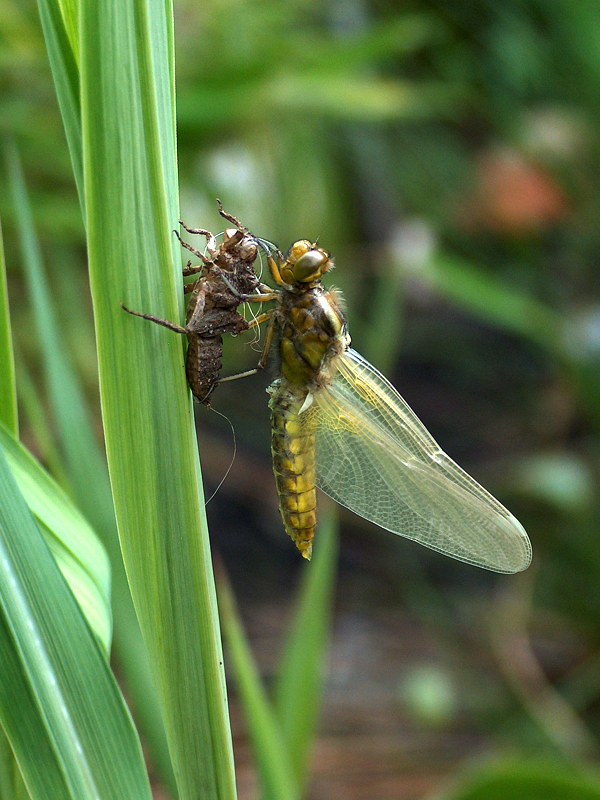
293	450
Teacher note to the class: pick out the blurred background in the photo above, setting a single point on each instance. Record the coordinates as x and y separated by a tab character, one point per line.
447	154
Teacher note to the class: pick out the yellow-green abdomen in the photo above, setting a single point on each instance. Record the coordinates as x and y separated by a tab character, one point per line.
293	450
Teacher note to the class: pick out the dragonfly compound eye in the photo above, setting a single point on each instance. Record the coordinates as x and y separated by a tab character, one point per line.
311	266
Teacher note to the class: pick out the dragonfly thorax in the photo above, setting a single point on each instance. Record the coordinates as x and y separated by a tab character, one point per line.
312	331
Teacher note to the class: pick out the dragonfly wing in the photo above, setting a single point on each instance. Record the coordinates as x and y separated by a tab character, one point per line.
375	457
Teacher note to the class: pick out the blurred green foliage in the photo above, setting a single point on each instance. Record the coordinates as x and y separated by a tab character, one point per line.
447	153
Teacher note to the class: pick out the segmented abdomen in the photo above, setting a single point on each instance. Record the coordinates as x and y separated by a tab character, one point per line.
293	450
203	364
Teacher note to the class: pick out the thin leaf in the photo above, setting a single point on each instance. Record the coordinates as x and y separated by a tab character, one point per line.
59	703
358	97
78	553
59	24
36	415
130	179
300	677
72	417
70	11
273	759
487	298
8	396
360	47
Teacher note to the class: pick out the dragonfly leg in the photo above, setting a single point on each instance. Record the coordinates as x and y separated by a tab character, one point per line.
264	355
274	268
192	270
229	217
260	298
200	231
193	250
172	326
245	298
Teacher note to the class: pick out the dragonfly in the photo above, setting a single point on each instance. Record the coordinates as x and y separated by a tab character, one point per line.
339	424
226	274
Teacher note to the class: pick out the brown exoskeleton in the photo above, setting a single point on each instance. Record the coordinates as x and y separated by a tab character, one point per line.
226	279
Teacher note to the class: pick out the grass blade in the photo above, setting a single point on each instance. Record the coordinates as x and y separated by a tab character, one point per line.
130	180
300	678
70	13
61	44
71	415
78	552
8	396
282	735
59	703
535	780
273	760
87	473
35	414
487	298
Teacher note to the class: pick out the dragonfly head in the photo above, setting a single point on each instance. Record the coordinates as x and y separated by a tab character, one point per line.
305	263
244	243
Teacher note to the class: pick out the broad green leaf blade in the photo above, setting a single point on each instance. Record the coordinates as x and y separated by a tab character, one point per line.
8	396
59	23
86	470
130	182
533	781
78	552
300	678
273	760
60	705
11	782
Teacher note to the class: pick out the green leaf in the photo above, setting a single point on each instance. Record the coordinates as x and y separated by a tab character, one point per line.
8	396
36	415
70	11
273	759
11	782
130	178
60	705
397	36
78	552
72	417
86	469
487	298
357	97
534	781
300	677
59	24
282	734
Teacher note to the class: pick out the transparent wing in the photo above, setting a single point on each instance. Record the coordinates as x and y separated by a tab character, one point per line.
375	457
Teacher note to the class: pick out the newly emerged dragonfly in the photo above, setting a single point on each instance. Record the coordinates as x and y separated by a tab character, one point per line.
225	276
337	423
